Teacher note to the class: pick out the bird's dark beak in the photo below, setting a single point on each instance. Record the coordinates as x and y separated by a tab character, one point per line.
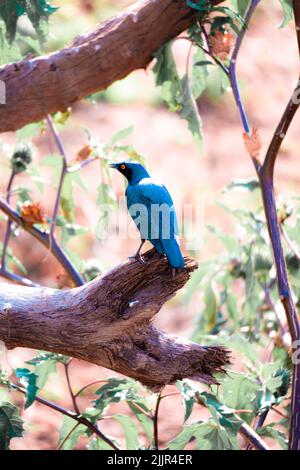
113	165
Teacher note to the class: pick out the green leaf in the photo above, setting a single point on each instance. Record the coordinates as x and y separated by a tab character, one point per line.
243	185
232	308
105	195
180	441
36	10
130	431
239	392
212	436
67	200
199	73
272	432
177	92
288	15
114	391
209	436
43	370
95	443
222	414
71	431
189	112
240	6
44	365
210	310
30	130
11	425
29	379
120	135
145	421
188	391
166	76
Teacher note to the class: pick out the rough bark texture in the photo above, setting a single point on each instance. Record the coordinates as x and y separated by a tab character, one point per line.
127	42
108	322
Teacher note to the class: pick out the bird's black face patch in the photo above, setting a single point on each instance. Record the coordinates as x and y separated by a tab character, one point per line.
126	171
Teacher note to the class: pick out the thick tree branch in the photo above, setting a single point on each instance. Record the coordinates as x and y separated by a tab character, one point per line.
43	85
108	322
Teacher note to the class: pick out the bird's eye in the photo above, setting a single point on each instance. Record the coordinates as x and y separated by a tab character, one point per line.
123	167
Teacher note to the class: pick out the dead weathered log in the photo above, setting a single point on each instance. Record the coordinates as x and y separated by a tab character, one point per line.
39	86
108	322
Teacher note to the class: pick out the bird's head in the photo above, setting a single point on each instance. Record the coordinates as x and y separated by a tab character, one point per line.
133	171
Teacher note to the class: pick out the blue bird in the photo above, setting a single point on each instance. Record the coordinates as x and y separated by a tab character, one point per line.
151	208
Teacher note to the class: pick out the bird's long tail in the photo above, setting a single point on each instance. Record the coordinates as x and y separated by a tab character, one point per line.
173	252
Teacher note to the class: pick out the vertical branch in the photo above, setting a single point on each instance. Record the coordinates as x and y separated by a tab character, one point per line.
61	178
9	223
73	396
266	178
265	174
155	420
232	68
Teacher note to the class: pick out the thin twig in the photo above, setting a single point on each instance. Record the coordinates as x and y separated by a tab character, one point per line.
292	246
88	385
9	223
67	436
79	418
155	421
73	397
252	437
232	67
23	281
63	173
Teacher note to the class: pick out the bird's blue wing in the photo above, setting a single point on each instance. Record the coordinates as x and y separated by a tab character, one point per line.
156	218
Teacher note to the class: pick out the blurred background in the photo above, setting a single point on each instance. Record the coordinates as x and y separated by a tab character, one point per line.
268	68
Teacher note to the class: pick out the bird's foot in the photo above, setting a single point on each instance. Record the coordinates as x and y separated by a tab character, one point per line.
138	258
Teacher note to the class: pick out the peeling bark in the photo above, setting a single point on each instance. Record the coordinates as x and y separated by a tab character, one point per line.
108	322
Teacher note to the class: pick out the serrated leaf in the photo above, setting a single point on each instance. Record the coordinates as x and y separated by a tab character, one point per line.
28	379
11	425
188	391
43	370
221	414
114	391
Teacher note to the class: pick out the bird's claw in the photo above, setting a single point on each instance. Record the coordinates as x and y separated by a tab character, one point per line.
138	258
